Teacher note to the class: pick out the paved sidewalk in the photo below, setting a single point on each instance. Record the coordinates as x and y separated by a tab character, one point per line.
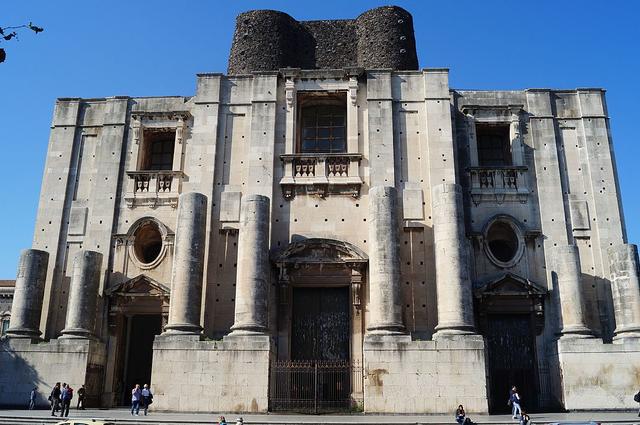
124	417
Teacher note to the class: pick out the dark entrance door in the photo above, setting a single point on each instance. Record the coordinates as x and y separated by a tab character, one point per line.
318	376
512	361
320	324
140	332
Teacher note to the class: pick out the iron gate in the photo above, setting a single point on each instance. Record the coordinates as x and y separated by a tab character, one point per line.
315	386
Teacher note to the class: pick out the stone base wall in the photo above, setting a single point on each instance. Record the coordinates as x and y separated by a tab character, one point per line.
404	376
190	375
25	364
598	376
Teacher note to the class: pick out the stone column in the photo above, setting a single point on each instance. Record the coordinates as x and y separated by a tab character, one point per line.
453	286
385	301
252	282
28	295
571	300
188	265
83	295
625	288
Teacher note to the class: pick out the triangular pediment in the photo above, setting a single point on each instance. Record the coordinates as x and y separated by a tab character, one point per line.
140	285
508	284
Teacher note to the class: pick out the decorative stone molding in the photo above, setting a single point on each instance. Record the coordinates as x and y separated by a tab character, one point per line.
310	256
153	188
321	174
128	241
518	232
498	184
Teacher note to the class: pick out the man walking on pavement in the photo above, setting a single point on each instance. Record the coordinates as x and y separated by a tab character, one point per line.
54	398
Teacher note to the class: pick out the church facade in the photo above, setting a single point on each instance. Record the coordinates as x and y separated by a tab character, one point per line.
328	227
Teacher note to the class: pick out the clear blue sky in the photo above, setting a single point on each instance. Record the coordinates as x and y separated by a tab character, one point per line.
155	48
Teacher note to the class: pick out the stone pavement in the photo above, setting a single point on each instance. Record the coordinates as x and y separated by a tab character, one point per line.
122	416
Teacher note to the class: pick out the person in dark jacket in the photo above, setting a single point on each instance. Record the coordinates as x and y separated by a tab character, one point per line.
82	392
460	414
54	398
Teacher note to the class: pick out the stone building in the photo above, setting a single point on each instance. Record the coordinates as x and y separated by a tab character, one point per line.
6	299
328	223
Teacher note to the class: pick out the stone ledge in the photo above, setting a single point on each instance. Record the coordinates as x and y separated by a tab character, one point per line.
595	345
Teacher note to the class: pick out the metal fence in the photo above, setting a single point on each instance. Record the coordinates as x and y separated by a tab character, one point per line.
315	386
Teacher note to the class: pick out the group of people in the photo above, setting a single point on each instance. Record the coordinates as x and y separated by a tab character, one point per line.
60	398
514	401
141	397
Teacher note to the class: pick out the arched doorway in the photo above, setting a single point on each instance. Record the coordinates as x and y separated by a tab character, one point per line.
320	326
510	316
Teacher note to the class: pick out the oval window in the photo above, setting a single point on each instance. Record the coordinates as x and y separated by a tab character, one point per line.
147	243
502	241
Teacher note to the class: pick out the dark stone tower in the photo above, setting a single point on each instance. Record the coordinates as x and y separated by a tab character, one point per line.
267	40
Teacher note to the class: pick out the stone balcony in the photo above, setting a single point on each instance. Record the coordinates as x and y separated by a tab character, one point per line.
498	184
321	174
153	188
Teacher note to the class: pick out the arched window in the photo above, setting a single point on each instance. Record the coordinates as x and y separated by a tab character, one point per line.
322	127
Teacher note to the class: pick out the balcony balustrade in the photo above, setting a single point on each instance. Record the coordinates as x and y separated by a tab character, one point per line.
321	174
153	188
498	184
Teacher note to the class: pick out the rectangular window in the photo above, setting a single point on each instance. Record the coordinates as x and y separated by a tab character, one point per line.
158	149
494	145
323	120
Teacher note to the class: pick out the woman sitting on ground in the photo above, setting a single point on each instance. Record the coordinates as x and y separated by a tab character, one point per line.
460	415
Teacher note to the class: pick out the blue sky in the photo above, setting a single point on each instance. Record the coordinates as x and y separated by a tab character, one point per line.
155	48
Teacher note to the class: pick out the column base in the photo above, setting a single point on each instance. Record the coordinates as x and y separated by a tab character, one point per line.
386	329
25	333
182	329
453	331
248	329
77	333
576	331
627	333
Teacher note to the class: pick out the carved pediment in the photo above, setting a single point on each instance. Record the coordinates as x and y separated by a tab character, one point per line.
508	284
317	250
140	285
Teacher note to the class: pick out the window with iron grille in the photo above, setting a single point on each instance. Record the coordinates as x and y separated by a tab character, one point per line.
494	145
323	124
159	147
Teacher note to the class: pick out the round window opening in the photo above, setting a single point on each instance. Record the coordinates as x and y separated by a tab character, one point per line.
502	241
148	243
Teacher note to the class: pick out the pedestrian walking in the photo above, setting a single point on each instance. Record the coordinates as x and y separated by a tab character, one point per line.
222	421
66	395
54	398
32	398
514	402
147	398
136	394
636	398
82	392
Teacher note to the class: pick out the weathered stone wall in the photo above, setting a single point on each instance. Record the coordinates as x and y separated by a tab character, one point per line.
403	376
266	40
205	376
598	376
25	365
